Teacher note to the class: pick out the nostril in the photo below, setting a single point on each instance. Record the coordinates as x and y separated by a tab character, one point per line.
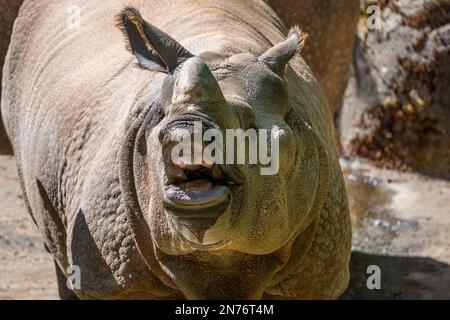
170	136
161	136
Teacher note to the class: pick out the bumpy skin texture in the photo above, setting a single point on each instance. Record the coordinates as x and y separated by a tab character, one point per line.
331	25
8	13
83	123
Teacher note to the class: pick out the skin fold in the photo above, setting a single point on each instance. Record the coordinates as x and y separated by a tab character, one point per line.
87	110
8	13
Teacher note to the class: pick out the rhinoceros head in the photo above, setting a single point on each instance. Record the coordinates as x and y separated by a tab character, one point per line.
212	205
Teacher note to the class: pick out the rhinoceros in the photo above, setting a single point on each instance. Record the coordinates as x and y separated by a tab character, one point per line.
89	106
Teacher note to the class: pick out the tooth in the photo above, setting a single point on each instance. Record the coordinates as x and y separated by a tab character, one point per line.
208	162
174	172
216	172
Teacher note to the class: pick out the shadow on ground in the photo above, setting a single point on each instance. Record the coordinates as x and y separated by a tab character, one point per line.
401	278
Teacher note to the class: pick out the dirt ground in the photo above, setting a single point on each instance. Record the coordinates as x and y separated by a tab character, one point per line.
26	269
400	221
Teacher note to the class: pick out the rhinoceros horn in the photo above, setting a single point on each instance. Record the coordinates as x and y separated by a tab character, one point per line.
195	84
279	55
154	49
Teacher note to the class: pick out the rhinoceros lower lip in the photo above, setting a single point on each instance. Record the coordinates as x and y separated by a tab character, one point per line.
197	199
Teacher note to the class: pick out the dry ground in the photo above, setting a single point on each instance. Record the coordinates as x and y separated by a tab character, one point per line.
26	269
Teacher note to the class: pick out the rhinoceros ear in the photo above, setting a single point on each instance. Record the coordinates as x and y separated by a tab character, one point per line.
154	49
278	56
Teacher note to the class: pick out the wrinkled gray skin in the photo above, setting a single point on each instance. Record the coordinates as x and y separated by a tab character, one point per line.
89	131
8	13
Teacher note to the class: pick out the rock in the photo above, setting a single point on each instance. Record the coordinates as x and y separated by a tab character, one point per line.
398	100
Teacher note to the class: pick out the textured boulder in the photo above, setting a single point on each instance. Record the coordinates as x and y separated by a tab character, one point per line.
397	107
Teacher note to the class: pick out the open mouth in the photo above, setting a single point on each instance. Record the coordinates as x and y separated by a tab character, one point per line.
198	198
197	191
